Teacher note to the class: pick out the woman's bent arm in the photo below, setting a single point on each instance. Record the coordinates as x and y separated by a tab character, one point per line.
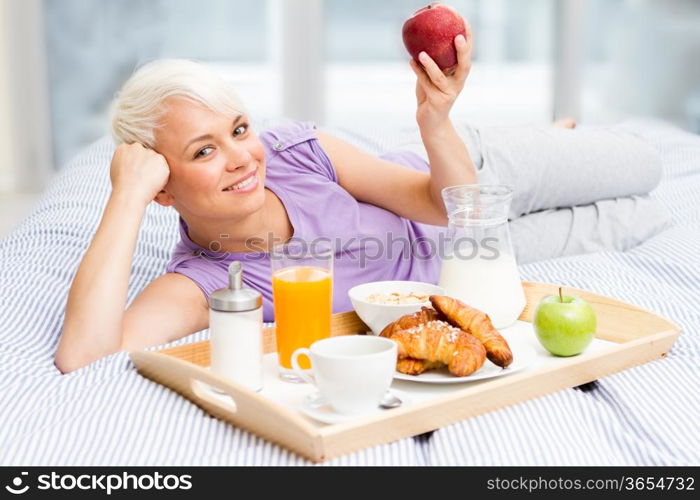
93	323
92	327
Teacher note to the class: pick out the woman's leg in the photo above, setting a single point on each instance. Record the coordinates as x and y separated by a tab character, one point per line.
553	167
606	225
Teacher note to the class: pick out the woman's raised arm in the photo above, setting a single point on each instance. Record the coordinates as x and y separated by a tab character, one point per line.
402	190
436	92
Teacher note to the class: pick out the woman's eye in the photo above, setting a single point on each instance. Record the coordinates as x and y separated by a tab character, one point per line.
241	129
199	154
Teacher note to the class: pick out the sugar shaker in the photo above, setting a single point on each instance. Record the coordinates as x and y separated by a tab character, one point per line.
235	326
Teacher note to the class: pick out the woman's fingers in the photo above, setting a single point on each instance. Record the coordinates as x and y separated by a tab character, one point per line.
434	72
420	74
463	45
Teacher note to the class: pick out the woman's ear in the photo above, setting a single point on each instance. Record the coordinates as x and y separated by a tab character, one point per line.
164	198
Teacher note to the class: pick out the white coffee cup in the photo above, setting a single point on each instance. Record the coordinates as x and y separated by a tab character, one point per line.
352	372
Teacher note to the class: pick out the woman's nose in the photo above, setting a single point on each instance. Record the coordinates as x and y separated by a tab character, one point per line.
237	157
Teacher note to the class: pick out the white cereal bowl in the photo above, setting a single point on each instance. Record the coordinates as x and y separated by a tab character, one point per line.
377	316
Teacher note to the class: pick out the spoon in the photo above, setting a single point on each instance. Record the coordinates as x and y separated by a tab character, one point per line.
388	402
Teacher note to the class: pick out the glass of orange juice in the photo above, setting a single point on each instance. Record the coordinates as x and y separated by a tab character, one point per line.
302	288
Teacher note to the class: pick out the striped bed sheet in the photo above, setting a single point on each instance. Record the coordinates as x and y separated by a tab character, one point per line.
107	414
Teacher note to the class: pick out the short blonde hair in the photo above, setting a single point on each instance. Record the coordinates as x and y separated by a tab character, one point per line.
137	108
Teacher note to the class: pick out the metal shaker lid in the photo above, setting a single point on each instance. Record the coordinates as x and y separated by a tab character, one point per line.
235	298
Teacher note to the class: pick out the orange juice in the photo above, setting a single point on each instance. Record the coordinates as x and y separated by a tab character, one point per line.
303	297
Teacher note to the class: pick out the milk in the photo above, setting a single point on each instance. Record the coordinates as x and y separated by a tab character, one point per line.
488	281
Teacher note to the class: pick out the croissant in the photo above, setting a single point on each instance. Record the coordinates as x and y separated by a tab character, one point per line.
437	341
411	320
413	366
478	324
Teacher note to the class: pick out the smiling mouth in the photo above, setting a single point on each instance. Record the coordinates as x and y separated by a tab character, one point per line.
242	184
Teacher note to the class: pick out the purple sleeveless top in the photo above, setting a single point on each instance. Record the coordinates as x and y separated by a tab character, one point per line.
372	244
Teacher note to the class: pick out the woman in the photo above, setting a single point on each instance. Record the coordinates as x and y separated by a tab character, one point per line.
186	142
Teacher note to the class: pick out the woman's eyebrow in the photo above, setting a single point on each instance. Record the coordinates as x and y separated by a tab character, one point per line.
208	136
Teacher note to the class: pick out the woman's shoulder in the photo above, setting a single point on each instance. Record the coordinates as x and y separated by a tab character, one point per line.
293	146
282	134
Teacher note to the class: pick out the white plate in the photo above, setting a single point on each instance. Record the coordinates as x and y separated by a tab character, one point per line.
523	356
328	415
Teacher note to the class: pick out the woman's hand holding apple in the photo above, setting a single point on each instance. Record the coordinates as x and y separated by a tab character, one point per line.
138	172
437	90
440	44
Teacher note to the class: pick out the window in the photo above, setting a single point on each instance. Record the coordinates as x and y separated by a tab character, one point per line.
368	77
93	47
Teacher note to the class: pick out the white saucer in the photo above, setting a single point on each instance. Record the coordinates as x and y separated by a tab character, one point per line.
523	356
328	415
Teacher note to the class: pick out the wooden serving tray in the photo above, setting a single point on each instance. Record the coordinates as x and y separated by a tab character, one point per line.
633	336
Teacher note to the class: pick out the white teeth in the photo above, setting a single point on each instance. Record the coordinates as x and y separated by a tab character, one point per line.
241	185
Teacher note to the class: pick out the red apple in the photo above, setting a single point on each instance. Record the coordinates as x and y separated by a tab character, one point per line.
433	29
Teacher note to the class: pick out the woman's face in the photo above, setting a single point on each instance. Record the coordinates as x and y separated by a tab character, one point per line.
217	163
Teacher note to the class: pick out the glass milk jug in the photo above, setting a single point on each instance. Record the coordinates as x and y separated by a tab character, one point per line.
478	265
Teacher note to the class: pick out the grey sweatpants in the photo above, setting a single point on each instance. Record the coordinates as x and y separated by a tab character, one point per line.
575	191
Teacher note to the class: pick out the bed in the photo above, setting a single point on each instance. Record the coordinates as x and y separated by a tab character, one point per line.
107	414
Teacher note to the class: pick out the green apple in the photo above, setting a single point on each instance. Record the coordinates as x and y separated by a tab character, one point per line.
564	324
